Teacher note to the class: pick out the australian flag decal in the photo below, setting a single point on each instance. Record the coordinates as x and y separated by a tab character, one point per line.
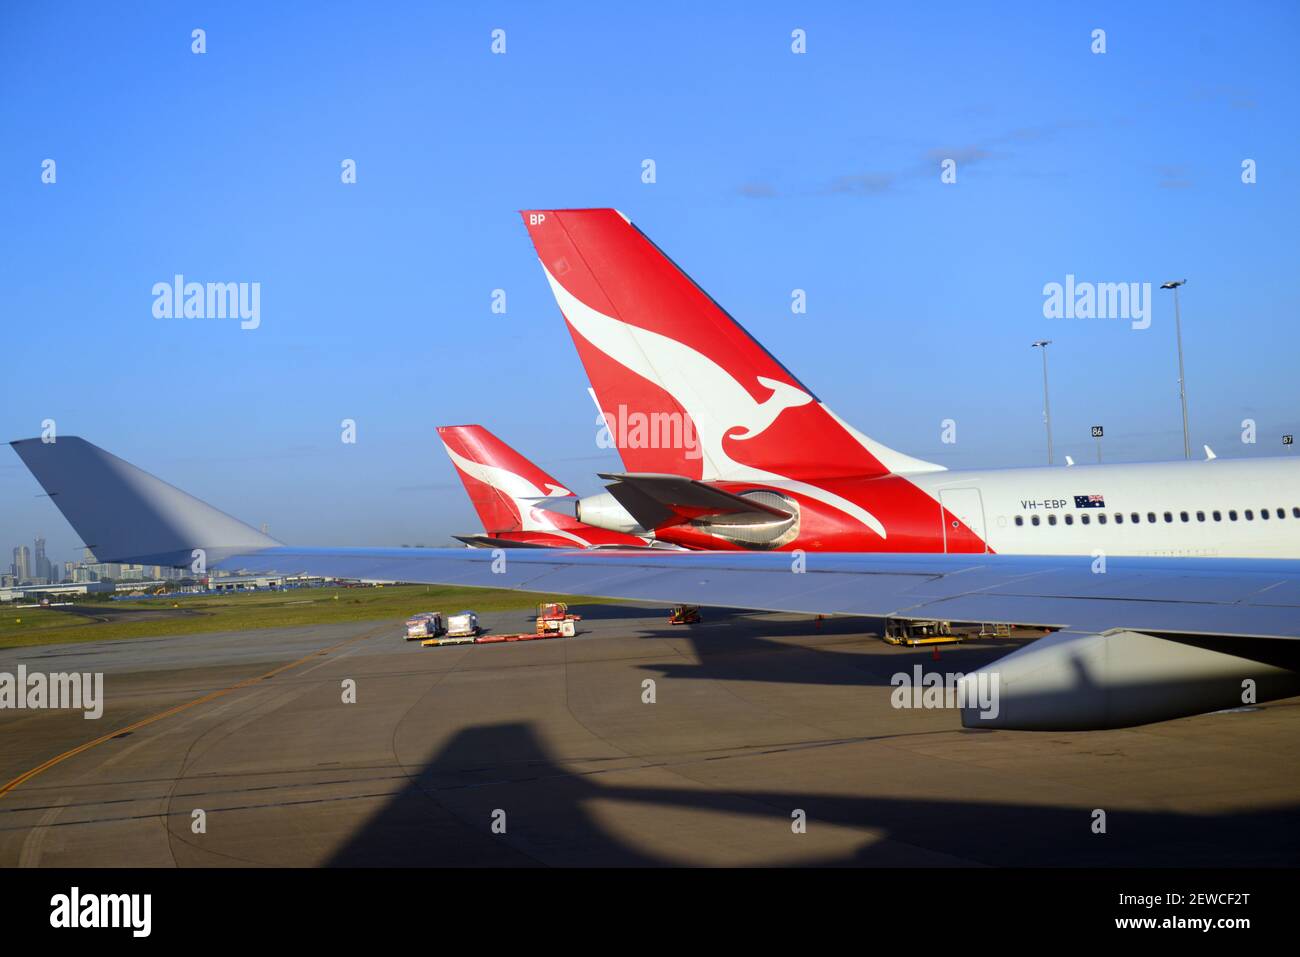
1089	501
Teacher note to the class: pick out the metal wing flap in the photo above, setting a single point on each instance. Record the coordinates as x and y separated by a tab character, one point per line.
656	501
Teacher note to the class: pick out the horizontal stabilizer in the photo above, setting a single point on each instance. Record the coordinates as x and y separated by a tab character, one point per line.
657	501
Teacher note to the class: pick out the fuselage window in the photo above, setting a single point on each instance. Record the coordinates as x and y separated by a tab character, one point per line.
1151	516
1183	516
1200	516
1085	519
1281	513
1263	513
1295	512
1218	516
1034	519
1232	514
1051	520
1169	516
1101	518
1119	518
1249	514
1135	518
1069	519
1020	520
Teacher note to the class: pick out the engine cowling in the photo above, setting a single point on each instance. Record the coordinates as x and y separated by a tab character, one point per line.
604	511
1080	682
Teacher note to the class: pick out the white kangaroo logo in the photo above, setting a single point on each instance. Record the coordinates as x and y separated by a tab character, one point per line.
784	396
717	404
519	490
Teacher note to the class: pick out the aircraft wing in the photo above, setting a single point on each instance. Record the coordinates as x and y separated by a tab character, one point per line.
1139	639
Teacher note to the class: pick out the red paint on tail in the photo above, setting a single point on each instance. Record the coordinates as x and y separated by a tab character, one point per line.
505	489
658	350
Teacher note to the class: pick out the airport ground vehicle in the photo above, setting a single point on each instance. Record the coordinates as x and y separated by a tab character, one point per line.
553	621
684	615
463	624
919	631
553	618
426	624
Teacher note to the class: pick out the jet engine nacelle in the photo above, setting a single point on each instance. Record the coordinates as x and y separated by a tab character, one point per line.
1081	682
604	511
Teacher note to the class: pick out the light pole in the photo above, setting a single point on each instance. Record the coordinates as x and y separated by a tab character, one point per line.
1047	405
1182	383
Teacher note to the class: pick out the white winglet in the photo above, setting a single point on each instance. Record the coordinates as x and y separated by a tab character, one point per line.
123	513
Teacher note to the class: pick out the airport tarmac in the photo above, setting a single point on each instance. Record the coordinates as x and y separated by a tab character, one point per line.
547	753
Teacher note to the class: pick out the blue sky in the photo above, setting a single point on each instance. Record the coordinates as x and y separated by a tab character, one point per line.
775	171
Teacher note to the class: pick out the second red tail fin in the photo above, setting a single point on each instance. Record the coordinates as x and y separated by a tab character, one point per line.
511	495
503	485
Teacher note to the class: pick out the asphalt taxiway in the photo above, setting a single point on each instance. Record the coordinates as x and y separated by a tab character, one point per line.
551	753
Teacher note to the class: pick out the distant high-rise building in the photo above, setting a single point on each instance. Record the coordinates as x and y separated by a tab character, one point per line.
40	564
22	563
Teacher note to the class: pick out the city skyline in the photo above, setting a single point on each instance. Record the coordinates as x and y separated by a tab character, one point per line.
33	566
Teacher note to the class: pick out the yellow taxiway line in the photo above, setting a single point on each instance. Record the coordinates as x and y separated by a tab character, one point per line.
177	709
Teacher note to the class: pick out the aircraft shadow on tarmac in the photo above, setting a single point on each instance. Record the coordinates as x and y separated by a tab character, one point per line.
735	650
736	646
443	817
